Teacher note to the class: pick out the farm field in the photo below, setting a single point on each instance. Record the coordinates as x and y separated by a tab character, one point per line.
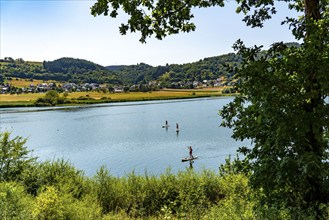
8	99
163	94
20	83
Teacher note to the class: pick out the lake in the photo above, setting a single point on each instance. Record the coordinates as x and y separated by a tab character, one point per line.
127	136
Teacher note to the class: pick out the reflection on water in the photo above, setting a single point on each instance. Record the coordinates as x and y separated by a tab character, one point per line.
126	136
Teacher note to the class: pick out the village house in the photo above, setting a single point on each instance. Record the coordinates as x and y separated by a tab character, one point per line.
118	89
4	88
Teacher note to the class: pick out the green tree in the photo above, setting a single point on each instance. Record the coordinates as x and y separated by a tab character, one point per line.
51	98
65	95
2	79
14	157
281	104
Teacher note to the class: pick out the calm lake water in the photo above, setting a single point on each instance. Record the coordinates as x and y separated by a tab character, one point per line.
127	136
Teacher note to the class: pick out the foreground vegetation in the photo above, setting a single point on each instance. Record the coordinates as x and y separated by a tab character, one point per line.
57	190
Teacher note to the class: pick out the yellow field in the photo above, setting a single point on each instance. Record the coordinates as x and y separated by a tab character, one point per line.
36	63
141	95
20	97
25	83
164	94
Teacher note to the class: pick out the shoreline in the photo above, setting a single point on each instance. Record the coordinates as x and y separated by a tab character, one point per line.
100	98
101	105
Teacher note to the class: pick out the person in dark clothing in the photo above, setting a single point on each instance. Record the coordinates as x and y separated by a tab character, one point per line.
190	151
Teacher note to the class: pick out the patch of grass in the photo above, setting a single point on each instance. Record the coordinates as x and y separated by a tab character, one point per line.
4	63
36	63
24	97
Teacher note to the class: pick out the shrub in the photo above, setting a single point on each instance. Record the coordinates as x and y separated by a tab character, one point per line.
64	176
14	202
48	205
14	157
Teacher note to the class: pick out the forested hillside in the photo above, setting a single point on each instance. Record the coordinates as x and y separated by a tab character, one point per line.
206	69
83	71
63	69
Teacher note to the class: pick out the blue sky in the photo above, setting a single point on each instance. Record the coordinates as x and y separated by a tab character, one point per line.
38	30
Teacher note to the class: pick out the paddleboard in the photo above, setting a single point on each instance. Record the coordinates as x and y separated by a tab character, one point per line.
188	158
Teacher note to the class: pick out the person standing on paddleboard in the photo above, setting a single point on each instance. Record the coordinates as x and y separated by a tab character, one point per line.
190	151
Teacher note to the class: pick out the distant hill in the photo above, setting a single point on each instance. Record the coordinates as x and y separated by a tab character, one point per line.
293	44
67	64
205	69
115	67
63	69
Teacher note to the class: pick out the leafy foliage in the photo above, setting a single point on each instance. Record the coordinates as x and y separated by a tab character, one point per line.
288	137
282	109
15	203
14	157
51	98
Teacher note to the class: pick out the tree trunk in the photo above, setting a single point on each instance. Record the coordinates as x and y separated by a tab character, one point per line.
312	9
314	135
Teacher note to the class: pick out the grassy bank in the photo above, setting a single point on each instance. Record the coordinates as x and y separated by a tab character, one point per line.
22	100
58	191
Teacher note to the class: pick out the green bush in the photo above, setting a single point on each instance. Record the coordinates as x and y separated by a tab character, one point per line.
52	203
15	203
64	176
110	192
14	157
81	209
51	98
48	205
84	98
237	202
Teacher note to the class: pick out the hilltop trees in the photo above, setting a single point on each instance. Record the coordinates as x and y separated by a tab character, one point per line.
66	64
281	104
